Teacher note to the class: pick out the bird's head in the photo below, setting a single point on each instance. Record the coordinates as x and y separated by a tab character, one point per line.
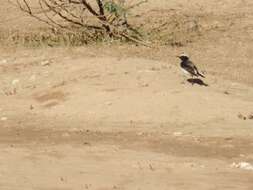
183	57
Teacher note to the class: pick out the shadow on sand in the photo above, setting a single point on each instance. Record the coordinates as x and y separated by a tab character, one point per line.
197	81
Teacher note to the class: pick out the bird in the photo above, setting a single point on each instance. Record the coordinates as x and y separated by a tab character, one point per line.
188	67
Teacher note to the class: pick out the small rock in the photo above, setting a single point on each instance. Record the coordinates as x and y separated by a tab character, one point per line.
197	139
242	165
45	63
192	165
155	69
15	82
228	138
177	134
151	167
240	116
31	107
4	118
145	85
108	103
87	186
140	133
14	91
86	143
226	92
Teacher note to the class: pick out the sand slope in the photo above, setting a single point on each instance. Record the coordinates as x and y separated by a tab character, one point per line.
124	117
120	123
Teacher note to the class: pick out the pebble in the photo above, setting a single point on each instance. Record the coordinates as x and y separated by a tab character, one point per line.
45	63
240	116
145	85
177	134
140	133
15	82
242	165
226	92
108	103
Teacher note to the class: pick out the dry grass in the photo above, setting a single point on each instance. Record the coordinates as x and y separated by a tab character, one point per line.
161	27
49	37
174	34
176	30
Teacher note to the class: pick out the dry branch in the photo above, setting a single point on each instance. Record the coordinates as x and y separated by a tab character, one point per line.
63	13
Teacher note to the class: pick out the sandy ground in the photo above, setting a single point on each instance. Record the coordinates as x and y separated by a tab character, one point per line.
124	117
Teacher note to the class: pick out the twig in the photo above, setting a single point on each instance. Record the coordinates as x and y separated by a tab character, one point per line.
62	8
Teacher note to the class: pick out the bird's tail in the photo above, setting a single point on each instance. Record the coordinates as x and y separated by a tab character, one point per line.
199	74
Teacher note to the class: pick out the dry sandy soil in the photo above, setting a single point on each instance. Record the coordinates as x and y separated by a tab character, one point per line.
123	116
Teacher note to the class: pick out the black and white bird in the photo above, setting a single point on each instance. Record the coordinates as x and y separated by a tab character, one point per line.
188	67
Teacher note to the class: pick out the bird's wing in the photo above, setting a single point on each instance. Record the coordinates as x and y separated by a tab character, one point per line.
196	71
191	68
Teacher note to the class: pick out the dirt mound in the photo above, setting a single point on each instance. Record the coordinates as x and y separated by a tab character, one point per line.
115	116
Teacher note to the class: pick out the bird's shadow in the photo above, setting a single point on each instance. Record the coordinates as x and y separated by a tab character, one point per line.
197	81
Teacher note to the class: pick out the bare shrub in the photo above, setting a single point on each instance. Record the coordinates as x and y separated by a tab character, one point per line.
107	18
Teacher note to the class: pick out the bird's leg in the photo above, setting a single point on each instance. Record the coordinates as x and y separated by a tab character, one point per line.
192	80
